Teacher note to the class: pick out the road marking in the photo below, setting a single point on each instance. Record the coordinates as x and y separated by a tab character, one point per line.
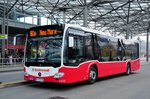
58	97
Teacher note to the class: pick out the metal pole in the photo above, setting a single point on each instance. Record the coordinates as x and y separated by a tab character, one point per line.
147	43
32	19
127	33
95	24
51	19
47	20
140	46
7	30
39	19
85	14
3	30
64	16
7	27
114	30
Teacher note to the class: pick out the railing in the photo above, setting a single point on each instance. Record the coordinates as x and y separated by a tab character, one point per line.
5	62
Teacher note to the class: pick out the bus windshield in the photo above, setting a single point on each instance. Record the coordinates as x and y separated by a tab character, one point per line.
44	51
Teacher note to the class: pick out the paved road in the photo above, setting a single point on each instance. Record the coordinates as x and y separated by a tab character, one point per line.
134	86
11	76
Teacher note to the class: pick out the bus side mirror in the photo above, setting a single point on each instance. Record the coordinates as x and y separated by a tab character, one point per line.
71	41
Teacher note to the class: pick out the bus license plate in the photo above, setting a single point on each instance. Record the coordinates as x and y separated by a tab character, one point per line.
39	79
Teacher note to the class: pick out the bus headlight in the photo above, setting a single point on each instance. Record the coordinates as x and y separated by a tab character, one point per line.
25	74
58	75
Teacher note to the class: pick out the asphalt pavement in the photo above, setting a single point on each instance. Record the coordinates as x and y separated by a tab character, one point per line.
11	76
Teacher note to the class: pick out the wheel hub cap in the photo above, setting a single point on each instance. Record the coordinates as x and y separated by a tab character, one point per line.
92	75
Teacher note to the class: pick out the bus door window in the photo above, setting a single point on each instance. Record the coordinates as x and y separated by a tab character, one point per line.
89	55
75	51
110	53
97	48
121	51
137	50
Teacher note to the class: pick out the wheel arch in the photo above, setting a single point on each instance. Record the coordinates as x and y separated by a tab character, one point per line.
129	62
95	66
128	68
92	65
92	74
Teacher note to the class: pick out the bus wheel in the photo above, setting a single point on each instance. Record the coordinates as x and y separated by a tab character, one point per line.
92	75
128	70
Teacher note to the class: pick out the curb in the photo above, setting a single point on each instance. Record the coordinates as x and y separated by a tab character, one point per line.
143	64
11	84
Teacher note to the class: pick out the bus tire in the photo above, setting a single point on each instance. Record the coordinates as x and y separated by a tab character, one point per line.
128	69
92	75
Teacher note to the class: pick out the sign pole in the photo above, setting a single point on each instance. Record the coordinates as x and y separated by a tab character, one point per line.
147	43
3	30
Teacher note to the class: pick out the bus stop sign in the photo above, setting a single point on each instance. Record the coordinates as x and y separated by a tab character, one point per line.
3	36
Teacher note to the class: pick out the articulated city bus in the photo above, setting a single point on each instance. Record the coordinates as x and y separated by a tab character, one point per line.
69	54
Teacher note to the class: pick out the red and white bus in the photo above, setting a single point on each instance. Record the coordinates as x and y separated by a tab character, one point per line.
69	54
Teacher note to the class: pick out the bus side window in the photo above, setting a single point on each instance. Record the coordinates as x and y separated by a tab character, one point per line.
128	51
137	50
105	48
113	50
89	47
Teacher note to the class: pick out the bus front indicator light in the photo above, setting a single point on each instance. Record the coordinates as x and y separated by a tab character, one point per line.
59	75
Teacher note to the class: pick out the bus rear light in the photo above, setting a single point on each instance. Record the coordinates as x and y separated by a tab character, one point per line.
58	75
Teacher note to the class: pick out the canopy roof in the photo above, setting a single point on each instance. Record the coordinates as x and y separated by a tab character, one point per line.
113	16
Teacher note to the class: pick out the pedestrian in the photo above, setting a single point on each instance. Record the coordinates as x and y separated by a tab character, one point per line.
6	59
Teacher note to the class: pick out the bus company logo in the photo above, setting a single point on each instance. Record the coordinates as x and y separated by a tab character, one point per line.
40	70
39	74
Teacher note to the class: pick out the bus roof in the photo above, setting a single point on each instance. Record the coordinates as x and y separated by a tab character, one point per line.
86	29
92	31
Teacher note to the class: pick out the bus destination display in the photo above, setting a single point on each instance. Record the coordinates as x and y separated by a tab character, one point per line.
47	32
